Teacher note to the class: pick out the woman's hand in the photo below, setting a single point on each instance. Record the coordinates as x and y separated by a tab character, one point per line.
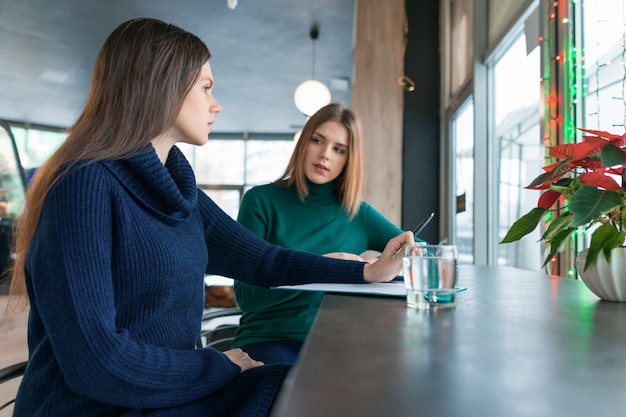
387	267
241	359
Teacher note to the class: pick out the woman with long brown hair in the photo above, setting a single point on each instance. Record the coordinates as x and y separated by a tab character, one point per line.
115	239
315	206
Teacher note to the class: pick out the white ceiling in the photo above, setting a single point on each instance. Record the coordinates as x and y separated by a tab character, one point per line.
261	51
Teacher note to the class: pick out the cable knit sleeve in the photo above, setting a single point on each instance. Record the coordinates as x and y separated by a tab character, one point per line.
237	253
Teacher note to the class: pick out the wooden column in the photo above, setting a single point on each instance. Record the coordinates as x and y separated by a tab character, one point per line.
377	100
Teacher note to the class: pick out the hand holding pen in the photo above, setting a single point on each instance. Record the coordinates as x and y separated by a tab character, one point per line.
417	230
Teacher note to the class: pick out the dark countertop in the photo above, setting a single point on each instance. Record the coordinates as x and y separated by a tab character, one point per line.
518	343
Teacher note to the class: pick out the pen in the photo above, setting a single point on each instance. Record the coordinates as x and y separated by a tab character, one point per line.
418	229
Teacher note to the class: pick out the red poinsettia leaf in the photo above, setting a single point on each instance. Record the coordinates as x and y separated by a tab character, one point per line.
601	133
566	151
615	171
547	199
589	164
598	179
619	142
589	146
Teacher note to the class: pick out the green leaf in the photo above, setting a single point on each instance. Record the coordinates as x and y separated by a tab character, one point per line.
611	155
604	239
563	185
524	225
557	242
588	203
561	169
556	225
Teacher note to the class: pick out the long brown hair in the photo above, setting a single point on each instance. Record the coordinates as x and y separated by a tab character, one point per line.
349	184
141	76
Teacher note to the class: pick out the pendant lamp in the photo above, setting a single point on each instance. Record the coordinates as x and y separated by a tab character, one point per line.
311	95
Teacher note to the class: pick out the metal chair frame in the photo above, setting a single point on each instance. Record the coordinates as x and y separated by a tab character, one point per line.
11	372
220	336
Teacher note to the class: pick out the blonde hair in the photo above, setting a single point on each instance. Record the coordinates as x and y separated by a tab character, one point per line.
349	184
141	76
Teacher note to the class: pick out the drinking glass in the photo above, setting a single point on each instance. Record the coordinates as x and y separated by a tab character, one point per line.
430	276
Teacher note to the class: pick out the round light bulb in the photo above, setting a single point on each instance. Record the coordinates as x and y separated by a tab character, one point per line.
310	96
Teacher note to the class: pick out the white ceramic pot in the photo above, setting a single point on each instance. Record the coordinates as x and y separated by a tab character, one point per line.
605	279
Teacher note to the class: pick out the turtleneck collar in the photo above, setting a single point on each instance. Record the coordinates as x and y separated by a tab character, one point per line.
321	193
169	191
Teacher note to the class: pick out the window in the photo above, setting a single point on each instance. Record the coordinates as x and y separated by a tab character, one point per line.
226	168
11	194
604	49
11	180
462	130
516	95
35	145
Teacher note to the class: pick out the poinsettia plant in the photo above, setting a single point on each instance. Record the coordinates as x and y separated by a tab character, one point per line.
588	177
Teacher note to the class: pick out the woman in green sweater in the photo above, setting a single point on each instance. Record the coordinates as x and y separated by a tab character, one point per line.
314	207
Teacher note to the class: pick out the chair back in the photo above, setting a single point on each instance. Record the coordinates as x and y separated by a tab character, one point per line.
7	374
219	326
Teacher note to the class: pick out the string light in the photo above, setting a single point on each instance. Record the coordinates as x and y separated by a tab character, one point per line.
622	63
559	93
576	75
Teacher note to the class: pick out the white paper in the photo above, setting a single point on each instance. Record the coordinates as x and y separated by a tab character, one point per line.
392	289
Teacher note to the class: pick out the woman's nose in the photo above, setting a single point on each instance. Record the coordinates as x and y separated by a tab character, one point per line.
215	107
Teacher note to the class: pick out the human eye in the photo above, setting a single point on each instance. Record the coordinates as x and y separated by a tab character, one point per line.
316	139
207	86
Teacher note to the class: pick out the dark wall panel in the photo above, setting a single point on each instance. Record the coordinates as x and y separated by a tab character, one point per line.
420	188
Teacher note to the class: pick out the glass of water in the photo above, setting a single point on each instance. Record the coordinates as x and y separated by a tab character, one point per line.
430	276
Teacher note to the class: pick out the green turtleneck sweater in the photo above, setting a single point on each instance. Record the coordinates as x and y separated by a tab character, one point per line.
318	225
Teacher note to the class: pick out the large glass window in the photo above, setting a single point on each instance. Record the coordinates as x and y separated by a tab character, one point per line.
35	145
462	132
11	195
11	180
604	79
226	168
516	95
603	64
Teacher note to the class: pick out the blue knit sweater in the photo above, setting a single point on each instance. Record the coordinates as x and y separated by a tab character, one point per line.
115	279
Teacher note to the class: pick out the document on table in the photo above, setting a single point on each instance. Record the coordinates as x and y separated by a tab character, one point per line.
394	288
391	289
